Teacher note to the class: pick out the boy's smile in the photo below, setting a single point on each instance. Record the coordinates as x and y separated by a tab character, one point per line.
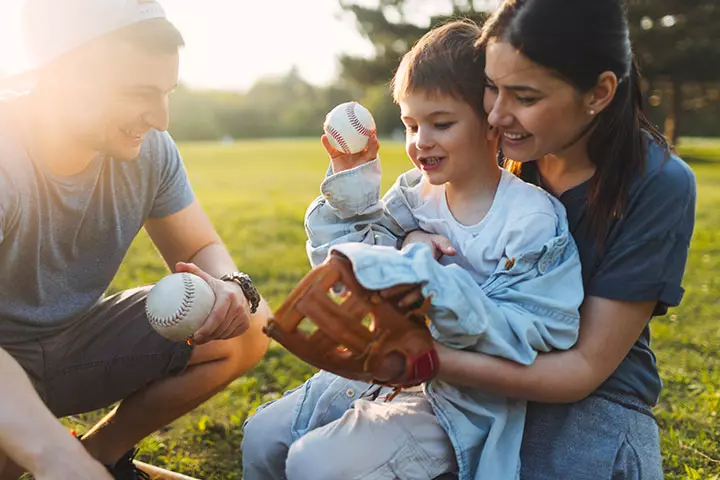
445	137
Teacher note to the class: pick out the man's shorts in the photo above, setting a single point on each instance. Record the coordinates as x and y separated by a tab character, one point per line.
103	357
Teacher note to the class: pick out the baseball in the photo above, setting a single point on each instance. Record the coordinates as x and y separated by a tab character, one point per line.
349	127
178	305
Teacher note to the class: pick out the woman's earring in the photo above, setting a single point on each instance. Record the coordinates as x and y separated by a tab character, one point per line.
591	112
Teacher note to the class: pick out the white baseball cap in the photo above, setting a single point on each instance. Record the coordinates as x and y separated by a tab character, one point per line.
52	28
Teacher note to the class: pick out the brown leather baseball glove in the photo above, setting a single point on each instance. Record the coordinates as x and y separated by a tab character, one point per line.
356	334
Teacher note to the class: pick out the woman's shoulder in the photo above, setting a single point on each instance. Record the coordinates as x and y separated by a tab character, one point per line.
665	173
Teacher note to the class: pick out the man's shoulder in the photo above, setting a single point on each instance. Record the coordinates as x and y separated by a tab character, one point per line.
14	160
157	144
10	118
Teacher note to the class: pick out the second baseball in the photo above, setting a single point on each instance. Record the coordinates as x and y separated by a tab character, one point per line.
178	305
349	127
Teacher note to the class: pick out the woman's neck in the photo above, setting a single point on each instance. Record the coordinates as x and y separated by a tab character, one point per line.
562	172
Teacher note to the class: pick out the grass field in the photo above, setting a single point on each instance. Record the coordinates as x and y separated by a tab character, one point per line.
256	194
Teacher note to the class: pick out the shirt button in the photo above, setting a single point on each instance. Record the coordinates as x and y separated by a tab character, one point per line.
350	392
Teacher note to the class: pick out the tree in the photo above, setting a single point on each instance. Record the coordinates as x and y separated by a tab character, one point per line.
285	106
393	30
677	43
392	27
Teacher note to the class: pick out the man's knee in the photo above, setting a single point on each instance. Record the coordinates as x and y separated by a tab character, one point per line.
230	359
237	355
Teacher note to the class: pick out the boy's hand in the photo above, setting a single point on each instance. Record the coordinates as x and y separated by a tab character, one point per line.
342	161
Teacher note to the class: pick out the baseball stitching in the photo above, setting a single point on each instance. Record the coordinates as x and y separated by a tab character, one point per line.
185	306
339	139
355	122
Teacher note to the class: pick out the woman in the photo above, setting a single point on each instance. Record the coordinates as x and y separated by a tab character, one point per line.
563	95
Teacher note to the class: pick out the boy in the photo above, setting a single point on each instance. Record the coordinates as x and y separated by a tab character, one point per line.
511	288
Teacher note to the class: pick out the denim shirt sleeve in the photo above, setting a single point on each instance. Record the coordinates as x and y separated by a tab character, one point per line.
527	306
349	209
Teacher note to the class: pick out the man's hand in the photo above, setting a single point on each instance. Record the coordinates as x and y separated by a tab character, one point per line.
77	467
342	161
229	317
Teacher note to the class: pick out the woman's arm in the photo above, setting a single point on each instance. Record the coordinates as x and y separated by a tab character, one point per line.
608	329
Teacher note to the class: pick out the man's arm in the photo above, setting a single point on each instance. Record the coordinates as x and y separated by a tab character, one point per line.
188	242
32	437
608	329
184	236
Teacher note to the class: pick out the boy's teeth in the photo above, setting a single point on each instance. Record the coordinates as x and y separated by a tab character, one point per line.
132	134
516	136
432	160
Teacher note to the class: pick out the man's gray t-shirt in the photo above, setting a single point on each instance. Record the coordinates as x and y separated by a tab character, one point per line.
62	239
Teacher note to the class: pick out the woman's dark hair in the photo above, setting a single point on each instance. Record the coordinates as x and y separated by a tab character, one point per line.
578	40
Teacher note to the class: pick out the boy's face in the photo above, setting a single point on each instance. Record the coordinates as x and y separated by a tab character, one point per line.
445	138
117	94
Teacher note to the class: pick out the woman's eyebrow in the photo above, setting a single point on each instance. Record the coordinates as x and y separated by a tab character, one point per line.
521	88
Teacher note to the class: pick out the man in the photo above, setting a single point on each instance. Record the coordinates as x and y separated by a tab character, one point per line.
85	164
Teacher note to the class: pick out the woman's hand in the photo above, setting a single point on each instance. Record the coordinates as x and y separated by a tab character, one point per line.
439	244
410	296
342	161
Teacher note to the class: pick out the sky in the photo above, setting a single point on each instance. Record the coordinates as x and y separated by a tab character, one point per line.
230	44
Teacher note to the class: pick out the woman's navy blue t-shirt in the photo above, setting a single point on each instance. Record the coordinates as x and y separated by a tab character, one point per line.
644	254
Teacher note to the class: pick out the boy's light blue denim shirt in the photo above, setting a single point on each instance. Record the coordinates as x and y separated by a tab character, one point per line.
529	306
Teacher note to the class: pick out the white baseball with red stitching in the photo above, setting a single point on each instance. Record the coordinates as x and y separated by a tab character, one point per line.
349	127
178	305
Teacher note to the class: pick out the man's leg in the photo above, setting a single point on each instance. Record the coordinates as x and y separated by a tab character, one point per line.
211	368
114	354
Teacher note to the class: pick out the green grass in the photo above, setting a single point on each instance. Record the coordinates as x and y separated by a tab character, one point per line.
256	193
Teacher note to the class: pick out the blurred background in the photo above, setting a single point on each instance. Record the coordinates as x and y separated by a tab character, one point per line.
264	69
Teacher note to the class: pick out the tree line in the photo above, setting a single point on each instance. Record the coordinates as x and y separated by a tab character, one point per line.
677	43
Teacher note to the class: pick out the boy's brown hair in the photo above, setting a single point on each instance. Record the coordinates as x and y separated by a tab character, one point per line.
444	61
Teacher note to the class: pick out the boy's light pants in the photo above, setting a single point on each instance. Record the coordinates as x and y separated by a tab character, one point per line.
350	439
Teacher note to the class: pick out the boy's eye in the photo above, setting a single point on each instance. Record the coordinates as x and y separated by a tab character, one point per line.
444	125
